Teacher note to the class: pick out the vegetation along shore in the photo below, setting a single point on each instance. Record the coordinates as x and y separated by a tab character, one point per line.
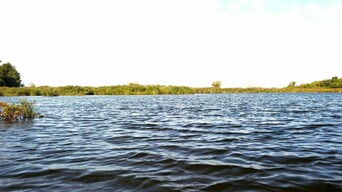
11	85
136	89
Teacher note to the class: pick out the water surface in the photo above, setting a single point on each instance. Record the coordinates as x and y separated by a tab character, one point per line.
218	142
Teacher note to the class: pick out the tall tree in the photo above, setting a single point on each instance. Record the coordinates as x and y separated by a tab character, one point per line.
9	76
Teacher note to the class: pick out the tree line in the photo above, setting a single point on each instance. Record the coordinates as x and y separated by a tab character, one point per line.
334	82
135	89
11	85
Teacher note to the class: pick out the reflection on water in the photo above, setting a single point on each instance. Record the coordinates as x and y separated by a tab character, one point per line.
16	124
233	142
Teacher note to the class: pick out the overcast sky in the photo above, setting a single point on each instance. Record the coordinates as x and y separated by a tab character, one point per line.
243	43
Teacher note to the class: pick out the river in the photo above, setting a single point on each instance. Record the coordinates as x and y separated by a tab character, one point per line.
201	142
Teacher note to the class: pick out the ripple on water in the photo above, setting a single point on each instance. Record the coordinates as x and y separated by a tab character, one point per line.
233	142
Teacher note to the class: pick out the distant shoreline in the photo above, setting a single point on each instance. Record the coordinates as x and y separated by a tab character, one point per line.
136	89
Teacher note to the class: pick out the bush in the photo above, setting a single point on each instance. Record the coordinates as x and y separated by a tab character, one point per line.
15	112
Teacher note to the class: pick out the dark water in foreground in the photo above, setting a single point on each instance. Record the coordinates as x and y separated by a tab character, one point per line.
233	142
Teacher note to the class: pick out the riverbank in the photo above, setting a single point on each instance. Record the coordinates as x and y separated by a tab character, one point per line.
136	89
269	90
131	89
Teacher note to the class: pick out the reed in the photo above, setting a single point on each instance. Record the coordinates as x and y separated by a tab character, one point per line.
137	89
17	112
131	89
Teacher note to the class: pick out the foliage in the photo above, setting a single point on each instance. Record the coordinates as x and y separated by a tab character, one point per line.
216	84
132	89
9	76
14	112
333	85
292	84
267	90
334	82
148	90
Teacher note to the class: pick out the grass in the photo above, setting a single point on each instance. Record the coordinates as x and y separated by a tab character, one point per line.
131	89
136	89
268	90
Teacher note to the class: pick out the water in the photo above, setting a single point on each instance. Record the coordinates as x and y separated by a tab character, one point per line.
223	142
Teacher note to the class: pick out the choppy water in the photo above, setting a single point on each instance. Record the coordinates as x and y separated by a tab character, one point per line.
223	142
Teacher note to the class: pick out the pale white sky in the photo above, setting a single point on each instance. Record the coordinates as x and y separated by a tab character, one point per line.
243	43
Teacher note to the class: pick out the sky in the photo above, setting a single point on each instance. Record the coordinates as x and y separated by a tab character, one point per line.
242	43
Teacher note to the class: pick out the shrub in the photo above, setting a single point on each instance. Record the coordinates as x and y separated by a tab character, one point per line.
15	112
216	84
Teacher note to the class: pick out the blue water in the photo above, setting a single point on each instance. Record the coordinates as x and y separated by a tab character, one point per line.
217	142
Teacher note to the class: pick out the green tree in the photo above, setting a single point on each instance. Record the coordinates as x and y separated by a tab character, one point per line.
216	84
336	82
9	76
292	84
